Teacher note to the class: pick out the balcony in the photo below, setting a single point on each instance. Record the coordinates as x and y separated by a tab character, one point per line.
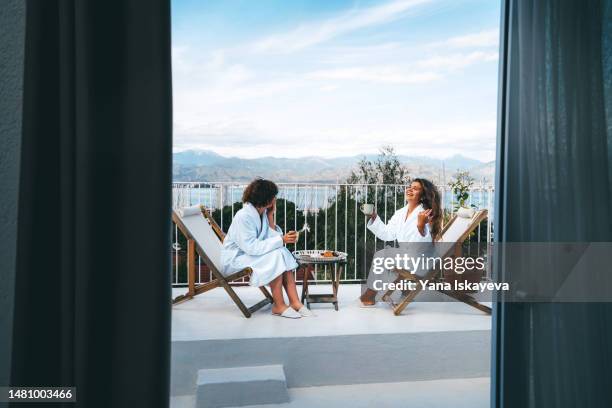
331	211
437	351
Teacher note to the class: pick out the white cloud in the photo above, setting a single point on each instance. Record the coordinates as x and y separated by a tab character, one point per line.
485	38
455	61
376	74
474	139
421	71
318	32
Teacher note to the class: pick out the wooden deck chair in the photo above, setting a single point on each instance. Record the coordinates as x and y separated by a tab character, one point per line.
456	230
205	237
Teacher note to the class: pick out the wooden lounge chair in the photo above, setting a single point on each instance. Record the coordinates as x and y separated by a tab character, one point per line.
456	231
205	237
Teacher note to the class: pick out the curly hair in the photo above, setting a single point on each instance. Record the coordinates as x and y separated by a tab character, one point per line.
260	192
430	199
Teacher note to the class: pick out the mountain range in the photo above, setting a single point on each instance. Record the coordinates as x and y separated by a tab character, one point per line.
206	165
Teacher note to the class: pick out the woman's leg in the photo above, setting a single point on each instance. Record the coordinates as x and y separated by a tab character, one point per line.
378	280
291	289
276	285
368	298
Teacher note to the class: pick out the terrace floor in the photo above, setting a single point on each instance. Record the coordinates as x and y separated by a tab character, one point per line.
436	354
213	315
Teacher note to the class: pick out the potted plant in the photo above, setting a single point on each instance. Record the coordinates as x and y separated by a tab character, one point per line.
460	187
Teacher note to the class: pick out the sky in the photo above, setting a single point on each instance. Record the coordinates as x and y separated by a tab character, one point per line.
256	78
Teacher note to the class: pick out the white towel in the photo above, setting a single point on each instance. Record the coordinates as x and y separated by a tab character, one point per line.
465	212
188	211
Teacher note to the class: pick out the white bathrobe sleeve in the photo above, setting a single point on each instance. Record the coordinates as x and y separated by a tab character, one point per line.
277	231
417	237
247	239
383	231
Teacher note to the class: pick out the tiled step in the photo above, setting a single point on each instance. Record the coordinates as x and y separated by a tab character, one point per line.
456	393
239	386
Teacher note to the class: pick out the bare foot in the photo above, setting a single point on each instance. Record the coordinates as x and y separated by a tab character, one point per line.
368	298
297	306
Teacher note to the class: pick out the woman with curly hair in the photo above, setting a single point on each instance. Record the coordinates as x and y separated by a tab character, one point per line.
419	222
255	241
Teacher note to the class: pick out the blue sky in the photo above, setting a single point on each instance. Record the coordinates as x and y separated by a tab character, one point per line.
256	78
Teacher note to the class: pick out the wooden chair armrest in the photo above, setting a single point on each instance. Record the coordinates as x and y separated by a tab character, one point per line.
404	274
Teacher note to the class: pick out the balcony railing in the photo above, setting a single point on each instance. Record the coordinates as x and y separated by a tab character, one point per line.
331	211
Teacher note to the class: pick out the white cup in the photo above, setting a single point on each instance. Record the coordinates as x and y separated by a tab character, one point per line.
367	209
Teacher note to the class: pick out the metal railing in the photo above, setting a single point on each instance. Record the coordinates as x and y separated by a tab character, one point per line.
331	211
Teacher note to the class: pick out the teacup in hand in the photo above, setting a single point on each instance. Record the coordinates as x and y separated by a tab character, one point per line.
367	209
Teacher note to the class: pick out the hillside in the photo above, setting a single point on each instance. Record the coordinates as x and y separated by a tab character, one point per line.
202	165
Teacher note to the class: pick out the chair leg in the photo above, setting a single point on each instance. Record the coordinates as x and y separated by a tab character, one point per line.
305	283
266	293
230	291
259	305
181	298
468	300
387	296
397	310
220	280
401	276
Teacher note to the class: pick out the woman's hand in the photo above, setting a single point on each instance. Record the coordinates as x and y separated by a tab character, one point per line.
423	218
291	237
271	210
373	216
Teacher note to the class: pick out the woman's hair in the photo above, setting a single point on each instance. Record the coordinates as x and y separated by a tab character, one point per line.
260	192
430	199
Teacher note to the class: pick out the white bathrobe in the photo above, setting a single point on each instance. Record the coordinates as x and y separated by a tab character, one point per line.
250	242
399	228
406	233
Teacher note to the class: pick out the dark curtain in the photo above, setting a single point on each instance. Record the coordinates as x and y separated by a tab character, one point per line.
555	185
92	296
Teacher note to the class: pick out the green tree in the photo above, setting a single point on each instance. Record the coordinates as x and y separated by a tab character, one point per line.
383	181
386	169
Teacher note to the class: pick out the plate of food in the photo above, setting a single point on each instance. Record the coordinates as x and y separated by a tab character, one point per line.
320	255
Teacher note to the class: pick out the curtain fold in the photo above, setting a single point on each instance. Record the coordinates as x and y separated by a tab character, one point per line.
92	296
556	184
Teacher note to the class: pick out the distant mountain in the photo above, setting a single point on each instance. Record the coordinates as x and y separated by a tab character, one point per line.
484	171
197	158
452	163
203	165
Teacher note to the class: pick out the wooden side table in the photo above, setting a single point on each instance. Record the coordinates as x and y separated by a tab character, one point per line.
307	262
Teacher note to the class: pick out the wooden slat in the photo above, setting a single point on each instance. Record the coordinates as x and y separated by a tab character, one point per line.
191	273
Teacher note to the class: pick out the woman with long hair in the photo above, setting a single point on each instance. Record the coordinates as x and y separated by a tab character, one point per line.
254	241
419	222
